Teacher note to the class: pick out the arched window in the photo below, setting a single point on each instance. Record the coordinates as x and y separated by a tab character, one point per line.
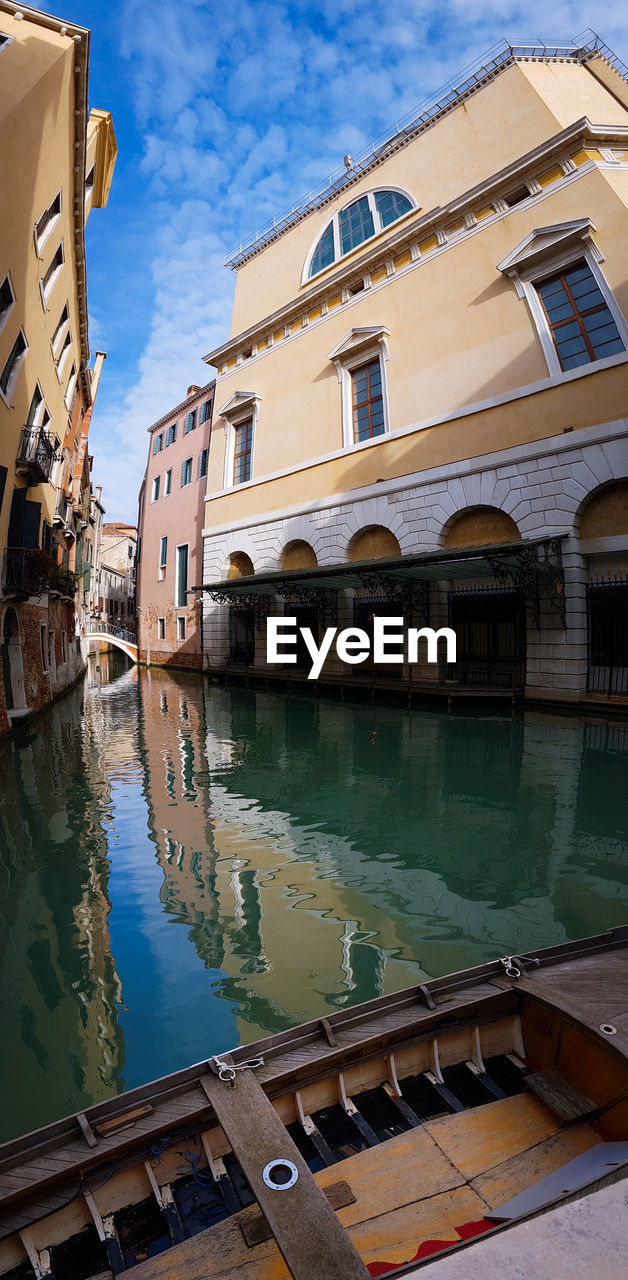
359	221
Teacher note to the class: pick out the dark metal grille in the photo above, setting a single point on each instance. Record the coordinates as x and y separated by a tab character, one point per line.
607	608
491	638
37	452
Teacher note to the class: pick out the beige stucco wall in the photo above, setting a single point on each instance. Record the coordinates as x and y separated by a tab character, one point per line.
525	105
458	336
36	143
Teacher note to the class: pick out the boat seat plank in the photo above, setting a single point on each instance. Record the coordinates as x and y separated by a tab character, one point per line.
565	1099
320	1246
473	1146
520	1172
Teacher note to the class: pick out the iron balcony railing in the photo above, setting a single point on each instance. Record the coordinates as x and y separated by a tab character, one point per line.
37	454
17	574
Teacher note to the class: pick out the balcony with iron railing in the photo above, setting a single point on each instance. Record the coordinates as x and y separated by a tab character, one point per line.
36	455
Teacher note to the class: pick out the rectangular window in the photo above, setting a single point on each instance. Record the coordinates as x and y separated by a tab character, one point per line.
580	322
155	493
69	394
190	421
168	482
161	628
12	366
186	472
180	628
367	401
64	646
242	452
62	328
158	443
7	298
163	558
50	279
43	638
202	463
48	220
206	411
64	352
171	434
182	576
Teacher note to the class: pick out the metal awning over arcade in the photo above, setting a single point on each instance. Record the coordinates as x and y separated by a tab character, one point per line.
523	566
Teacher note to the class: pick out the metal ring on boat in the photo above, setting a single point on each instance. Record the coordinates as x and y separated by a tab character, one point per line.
279	1175
608	1029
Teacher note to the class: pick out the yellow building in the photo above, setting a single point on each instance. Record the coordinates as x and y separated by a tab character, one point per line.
58	163
421	407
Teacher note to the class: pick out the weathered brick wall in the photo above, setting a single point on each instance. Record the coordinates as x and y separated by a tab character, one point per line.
43	681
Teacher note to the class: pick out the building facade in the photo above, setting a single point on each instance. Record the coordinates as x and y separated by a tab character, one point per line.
118	551
170	523
421	410
58	165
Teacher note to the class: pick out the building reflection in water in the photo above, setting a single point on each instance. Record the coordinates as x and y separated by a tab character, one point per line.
322	854
317	854
62	1043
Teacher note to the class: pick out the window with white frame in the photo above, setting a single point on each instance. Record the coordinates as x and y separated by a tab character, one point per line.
168	482
360	220
556	271
155	489
89	185
181	576
186	472
163	557
161	628
38	415
7	298
64	353
578	318
242	451
5	40
12	366
52	275
360	361
47	222
241	413
180	628
70	389
59	335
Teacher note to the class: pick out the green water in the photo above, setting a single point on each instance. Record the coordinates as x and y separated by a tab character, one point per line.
184	867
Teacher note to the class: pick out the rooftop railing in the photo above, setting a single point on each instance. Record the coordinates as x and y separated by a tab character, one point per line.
501	55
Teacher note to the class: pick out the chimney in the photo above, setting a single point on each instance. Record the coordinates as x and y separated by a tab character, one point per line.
192	390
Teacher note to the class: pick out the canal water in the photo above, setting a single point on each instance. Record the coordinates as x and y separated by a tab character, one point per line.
184	867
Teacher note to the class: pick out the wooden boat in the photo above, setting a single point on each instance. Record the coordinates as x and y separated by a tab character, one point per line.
357	1145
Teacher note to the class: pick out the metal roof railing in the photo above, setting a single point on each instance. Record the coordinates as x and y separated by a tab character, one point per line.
480	72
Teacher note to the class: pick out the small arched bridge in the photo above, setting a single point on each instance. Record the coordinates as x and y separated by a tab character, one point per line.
111	633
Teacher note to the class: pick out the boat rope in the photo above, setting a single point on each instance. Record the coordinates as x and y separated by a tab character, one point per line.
227	1070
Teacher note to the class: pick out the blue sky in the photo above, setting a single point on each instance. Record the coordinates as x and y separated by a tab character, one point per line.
224	114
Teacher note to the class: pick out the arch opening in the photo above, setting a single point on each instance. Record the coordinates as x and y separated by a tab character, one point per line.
298	555
373	543
480	527
605	514
240	565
